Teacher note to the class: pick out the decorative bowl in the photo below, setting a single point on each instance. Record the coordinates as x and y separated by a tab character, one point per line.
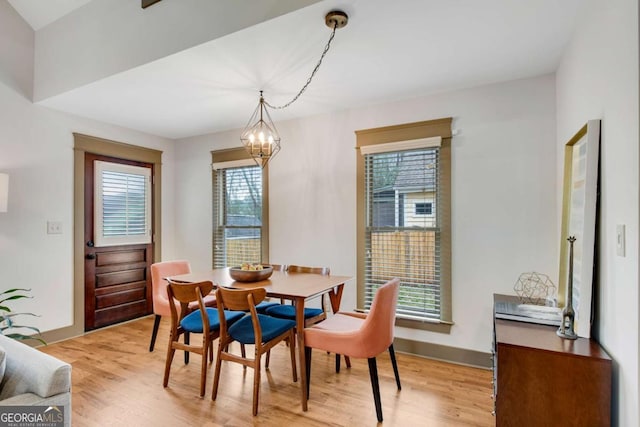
240	275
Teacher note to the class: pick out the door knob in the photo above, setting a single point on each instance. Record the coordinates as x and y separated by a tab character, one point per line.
91	256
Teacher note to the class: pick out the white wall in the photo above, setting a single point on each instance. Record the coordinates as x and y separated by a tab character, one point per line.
16	48
598	79
504	202
36	149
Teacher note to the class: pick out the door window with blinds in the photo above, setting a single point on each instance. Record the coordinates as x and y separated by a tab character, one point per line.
238	209
122	210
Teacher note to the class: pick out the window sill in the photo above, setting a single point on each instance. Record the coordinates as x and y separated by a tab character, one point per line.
425	325
439	326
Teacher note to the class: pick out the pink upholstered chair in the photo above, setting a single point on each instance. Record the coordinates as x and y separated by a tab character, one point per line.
161	307
360	335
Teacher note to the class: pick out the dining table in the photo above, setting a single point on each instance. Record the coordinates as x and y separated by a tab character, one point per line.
292	286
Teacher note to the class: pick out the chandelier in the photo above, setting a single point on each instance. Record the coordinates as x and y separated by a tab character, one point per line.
260	137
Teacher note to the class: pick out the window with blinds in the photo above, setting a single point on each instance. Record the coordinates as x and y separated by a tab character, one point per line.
402	233
237	205
122	204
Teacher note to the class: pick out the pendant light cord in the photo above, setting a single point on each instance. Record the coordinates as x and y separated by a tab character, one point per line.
313	73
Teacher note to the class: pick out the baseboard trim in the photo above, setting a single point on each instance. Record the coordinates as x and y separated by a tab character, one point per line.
444	353
62	334
54	335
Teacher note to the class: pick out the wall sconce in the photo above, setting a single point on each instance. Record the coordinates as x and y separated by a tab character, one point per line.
4	191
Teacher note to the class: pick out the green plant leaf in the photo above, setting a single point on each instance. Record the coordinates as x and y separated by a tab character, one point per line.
9	291
6	316
13	314
22	337
33	328
14	297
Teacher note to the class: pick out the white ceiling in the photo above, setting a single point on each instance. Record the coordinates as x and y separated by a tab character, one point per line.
390	50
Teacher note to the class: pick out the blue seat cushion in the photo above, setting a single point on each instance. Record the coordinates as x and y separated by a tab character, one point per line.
264	305
242	330
192	322
289	312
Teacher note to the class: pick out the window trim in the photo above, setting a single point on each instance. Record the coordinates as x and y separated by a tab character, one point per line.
401	134
234	157
426	206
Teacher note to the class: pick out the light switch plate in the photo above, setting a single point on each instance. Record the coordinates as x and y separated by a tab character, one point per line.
620	240
54	227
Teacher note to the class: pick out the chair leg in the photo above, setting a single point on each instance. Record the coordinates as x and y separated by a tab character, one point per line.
292	351
167	367
347	361
186	353
392	354
216	376
243	353
154	333
203	370
266	362
256	382
307	356
373	373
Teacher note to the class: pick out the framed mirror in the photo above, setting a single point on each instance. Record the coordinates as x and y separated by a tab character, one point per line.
579	200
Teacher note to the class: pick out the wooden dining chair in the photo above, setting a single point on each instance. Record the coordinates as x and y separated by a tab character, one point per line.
266	304
160	271
360	335
288	311
257	329
204	320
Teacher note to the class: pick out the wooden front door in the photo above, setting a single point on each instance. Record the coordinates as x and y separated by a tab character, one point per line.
117	277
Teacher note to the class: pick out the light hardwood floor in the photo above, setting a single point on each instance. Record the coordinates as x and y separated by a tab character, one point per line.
116	381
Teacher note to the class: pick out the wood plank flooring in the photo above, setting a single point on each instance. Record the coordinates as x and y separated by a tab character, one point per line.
117	382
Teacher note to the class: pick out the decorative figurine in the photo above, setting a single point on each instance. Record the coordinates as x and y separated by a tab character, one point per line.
568	314
535	288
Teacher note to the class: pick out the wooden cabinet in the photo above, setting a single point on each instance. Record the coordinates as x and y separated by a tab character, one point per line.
541	379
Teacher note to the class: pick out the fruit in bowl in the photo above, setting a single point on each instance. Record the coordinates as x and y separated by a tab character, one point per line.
251	267
250	272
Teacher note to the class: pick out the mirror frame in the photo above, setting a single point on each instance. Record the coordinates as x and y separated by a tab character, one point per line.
579	204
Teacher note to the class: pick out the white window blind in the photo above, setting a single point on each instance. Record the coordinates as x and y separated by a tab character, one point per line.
122	204
237	205
402	228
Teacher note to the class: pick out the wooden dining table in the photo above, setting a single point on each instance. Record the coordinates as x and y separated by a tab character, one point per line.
296	287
